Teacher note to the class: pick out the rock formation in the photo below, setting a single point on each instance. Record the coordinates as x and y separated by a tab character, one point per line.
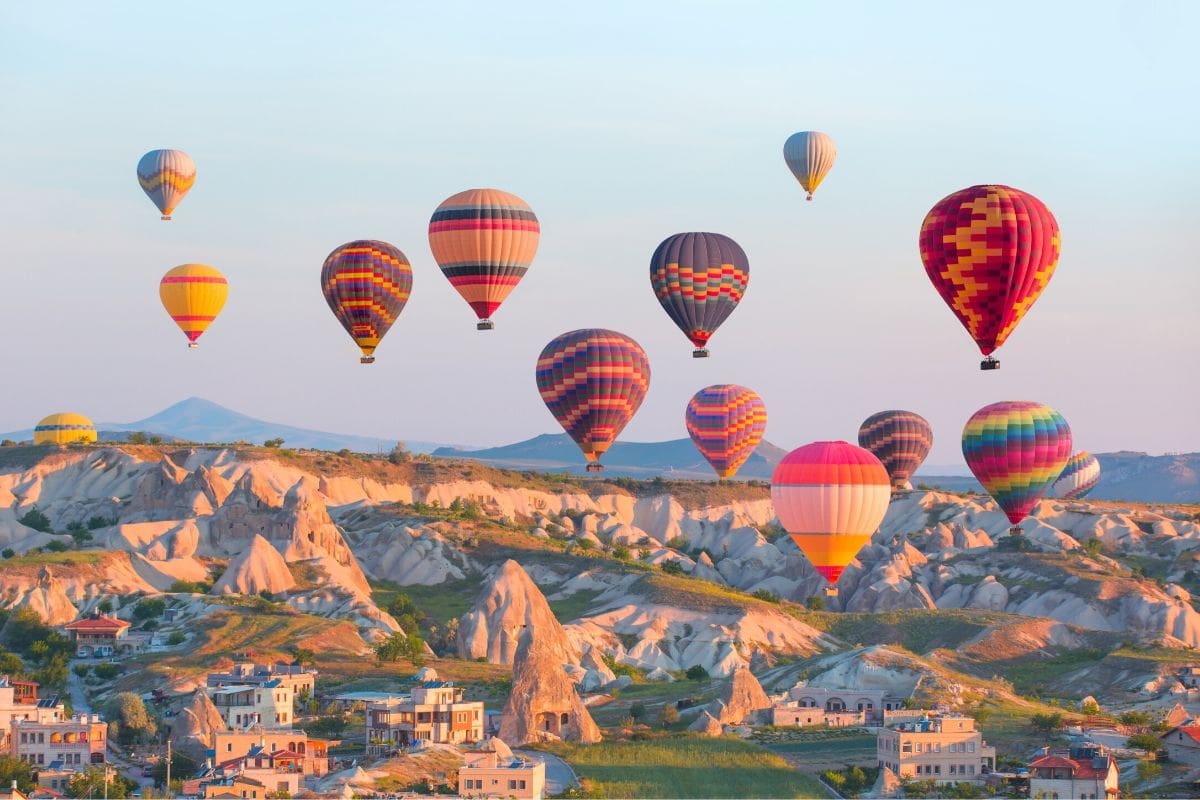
259	568
510	605
194	728
543	704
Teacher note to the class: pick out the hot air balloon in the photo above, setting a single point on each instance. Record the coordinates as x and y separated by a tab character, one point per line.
900	440
831	497
484	240
990	251
366	284
726	422
1016	449
64	429
810	156
593	381
1079	476
193	294
699	278
166	176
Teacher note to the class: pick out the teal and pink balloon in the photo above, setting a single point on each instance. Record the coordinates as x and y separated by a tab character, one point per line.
726	423
1079	476
899	439
1017	449
699	278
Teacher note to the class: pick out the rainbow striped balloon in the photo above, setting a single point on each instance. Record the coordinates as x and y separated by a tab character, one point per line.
831	497
699	278
1016	449
899	439
593	381
166	176
484	240
193	294
726	422
366	284
1079	476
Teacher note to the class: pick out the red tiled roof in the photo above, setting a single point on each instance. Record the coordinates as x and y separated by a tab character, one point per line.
1191	731
97	624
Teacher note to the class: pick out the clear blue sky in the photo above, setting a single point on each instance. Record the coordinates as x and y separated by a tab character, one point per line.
621	123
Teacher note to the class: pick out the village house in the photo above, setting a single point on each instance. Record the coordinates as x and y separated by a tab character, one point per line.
435	712
1182	744
19	701
243	707
792	714
301	680
73	742
872	702
493	771
944	748
313	753
1086	772
100	636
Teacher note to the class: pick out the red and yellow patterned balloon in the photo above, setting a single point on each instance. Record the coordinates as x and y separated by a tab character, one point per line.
990	252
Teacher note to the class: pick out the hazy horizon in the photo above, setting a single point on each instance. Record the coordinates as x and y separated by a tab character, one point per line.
619	126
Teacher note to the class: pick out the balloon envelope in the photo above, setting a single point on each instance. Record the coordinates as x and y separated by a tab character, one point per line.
593	381
64	429
726	422
831	497
166	176
1079	476
193	294
810	156
1016	449
990	252
484	240
366	284
699	278
899	439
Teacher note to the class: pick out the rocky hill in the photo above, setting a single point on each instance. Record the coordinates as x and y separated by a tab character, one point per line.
657	575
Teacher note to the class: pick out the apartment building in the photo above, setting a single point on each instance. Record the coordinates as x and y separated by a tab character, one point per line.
242	707
73	742
435	712
493	771
945	748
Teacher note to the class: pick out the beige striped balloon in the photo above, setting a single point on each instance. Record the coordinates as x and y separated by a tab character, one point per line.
810	156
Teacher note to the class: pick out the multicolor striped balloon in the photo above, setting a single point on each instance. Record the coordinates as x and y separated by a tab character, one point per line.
64	429
1016	449
484	240
593	381
900	440
831	497
990	252
1079	476
810	156
726	422
166	176
366	284
699	278
193	294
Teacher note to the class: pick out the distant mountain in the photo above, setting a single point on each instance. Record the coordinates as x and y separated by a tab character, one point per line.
198	420
677	458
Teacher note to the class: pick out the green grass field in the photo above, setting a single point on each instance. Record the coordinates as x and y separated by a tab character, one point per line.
686	766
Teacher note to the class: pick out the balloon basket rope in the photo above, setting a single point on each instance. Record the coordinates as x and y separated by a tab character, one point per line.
485	325
989	363
595	467
700	352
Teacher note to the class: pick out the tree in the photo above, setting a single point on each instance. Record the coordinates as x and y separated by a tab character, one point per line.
14	769
1047	723
669	715
274	444
182	768
134	721
35	519
90	783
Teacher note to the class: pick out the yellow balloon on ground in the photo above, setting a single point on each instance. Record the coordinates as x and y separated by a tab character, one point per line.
64	429
193	294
